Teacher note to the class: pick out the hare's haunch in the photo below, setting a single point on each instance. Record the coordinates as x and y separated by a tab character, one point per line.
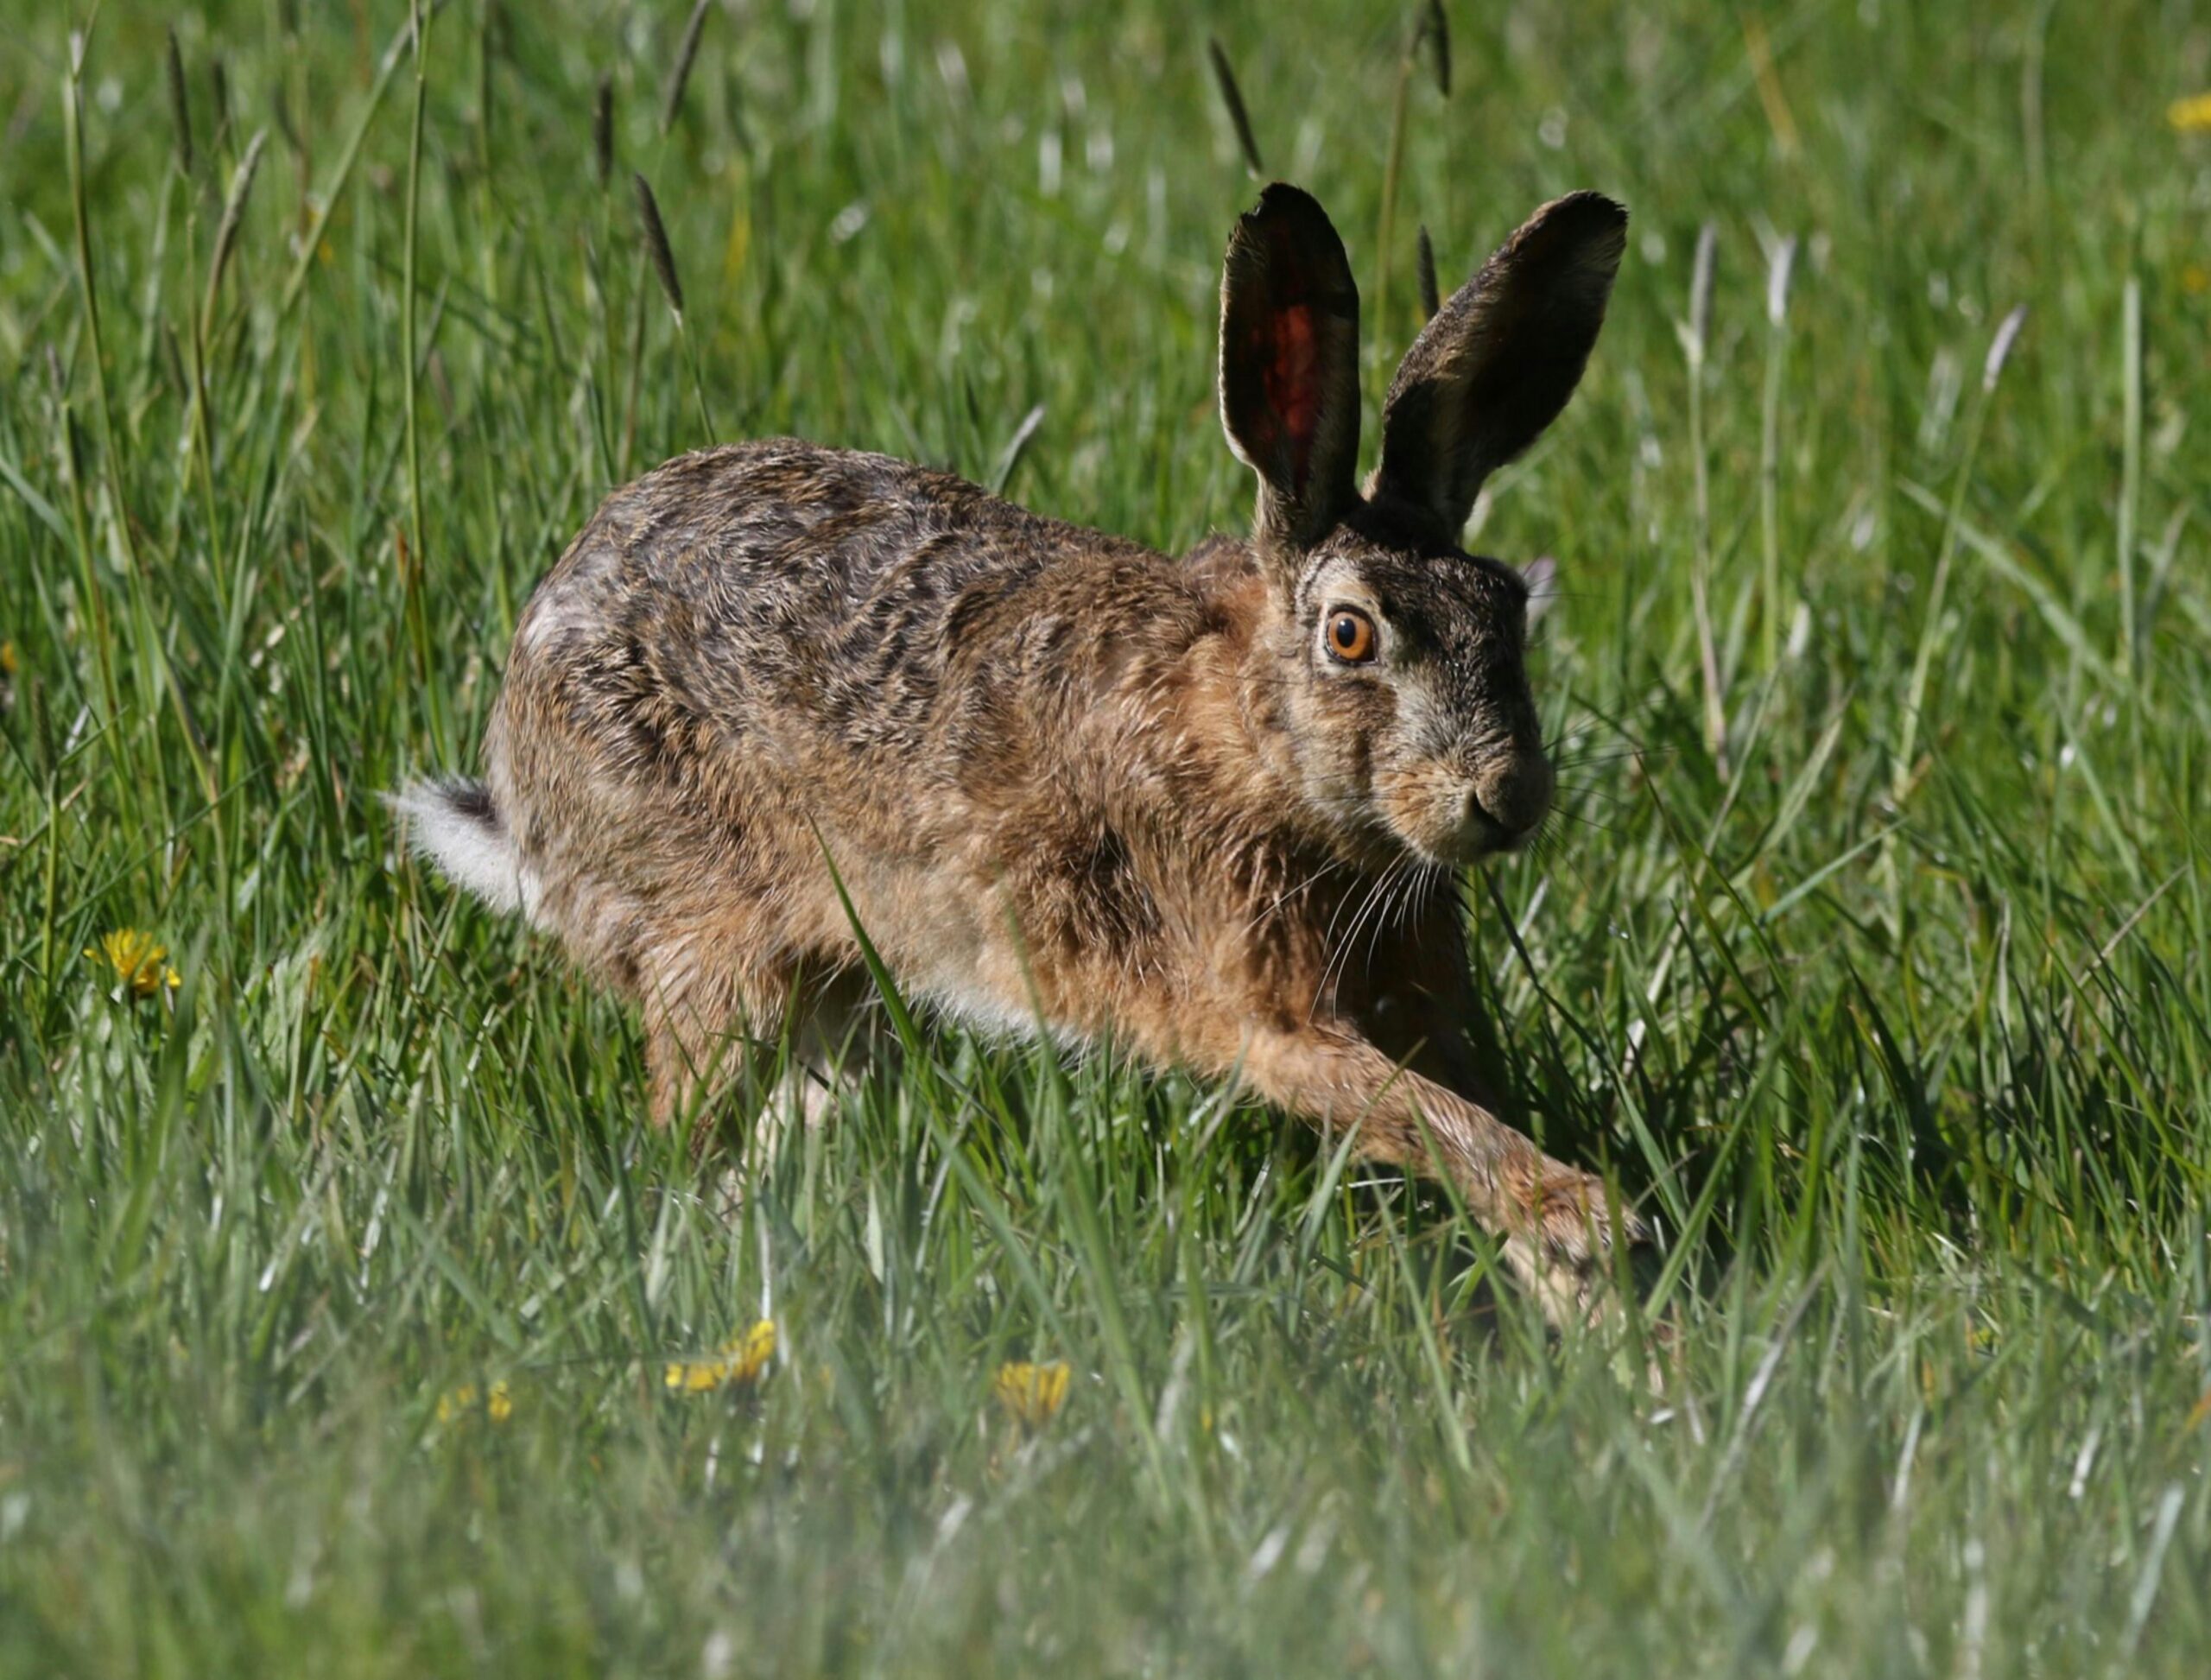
1213	807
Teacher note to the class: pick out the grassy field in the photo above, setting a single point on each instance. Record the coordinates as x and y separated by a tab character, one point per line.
339	1281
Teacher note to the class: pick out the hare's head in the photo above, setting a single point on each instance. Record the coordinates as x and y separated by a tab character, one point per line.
1398	667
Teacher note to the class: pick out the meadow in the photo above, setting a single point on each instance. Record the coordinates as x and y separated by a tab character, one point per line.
353	1322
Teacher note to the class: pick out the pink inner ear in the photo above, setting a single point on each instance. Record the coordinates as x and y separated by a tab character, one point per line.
1293	392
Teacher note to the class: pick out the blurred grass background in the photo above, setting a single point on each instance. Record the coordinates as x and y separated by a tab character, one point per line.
1869	955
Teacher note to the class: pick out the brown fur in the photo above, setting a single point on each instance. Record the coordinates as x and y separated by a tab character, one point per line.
1067	781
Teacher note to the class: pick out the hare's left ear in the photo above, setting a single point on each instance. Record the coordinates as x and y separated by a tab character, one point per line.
1498	361
1289	363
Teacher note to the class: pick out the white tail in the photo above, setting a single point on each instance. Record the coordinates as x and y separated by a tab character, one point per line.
454	823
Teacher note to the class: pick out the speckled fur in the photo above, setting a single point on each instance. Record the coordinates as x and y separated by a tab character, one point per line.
1069	782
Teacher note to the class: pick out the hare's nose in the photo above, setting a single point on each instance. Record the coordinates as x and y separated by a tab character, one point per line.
1513	790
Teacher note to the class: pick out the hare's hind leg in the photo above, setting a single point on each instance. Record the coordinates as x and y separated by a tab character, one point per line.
704	1024
841	1030
707	1028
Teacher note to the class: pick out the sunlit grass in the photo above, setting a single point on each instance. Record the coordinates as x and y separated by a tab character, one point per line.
352	1322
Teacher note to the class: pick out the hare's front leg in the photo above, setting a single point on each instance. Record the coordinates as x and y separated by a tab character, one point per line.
1552	1217
1422	1030
1415	1001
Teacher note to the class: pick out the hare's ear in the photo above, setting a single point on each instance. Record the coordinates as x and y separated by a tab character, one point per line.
1289	363
1498	361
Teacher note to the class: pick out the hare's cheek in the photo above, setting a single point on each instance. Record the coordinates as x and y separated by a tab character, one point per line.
1421	723
1352	733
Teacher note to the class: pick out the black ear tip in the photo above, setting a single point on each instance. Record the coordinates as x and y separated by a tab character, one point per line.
1592	211
1588	206
1280	201
1585	231
1287	231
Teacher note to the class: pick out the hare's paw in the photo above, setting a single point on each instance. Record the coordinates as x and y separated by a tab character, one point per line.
1564	1256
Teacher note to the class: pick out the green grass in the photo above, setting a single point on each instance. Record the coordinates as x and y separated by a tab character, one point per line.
1893	1010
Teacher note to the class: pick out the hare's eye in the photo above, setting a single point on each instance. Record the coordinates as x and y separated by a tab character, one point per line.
1351	636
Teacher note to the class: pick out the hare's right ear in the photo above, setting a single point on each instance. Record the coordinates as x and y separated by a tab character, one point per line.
1289	363
1500	359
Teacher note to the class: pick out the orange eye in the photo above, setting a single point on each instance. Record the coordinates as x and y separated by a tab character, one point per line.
1351	636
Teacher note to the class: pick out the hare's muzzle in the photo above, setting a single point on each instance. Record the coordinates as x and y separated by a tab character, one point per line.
1509	795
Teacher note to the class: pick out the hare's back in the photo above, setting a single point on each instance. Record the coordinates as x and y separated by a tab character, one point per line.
799	599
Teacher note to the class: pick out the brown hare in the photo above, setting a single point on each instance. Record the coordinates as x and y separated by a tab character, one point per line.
1209	809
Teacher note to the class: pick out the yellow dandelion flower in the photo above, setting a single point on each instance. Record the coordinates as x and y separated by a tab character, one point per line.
6	659
139	962
2191	115
2195	278
738	1363
496	1403
1031	1394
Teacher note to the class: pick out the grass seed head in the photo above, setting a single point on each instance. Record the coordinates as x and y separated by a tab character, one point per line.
602	130
1435	29
179	106
656	245
218	82
1232	98
227	231
685	55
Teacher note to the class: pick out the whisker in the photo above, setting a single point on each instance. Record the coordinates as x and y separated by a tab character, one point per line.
1587	821
1581	760
1590	791
1394	912
1329	936
1340	956
1294	888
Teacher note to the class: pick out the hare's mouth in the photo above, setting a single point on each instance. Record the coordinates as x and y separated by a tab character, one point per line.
1485	834
1477	836
1441	820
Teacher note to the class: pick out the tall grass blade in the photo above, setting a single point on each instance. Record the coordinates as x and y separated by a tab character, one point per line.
1696	342
1778	270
